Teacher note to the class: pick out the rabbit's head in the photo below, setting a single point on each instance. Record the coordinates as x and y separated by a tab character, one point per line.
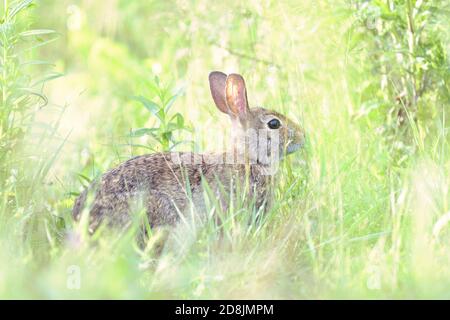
269	129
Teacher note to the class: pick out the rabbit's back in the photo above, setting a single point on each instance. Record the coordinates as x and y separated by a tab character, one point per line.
166	184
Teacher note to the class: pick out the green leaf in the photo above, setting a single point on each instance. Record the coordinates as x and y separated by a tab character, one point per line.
149	105
36	32
40	44
84	178
178	143
49	77
36	62
179	120
21	6
41	96
172	100
142	132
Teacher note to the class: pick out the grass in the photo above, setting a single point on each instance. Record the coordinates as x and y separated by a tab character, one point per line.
361	212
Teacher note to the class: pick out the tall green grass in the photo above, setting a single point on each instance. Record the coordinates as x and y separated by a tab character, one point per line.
26	156
361	212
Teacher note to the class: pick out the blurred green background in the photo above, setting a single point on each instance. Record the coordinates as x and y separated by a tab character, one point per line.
362	211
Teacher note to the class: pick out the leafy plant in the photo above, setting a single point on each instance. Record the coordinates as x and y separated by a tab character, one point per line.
20	92
406	42
168	124
25	160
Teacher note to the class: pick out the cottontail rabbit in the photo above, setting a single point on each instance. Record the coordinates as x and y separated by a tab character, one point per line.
170	183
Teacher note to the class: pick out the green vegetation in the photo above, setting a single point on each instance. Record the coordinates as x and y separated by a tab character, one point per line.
362	212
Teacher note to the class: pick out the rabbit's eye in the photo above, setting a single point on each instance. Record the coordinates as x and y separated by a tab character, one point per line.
274	124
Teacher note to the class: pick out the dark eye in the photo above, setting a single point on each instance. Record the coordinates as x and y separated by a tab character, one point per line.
274	124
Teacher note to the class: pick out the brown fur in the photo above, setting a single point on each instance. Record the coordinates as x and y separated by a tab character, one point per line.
168	187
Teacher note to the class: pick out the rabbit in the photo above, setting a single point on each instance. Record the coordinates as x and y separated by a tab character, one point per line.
170	183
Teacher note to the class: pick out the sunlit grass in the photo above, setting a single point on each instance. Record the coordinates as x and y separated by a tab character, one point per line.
361	212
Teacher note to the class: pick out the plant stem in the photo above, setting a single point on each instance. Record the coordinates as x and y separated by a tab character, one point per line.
4	69
411	48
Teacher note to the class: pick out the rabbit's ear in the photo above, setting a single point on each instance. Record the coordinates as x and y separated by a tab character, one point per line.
236	95
217	83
